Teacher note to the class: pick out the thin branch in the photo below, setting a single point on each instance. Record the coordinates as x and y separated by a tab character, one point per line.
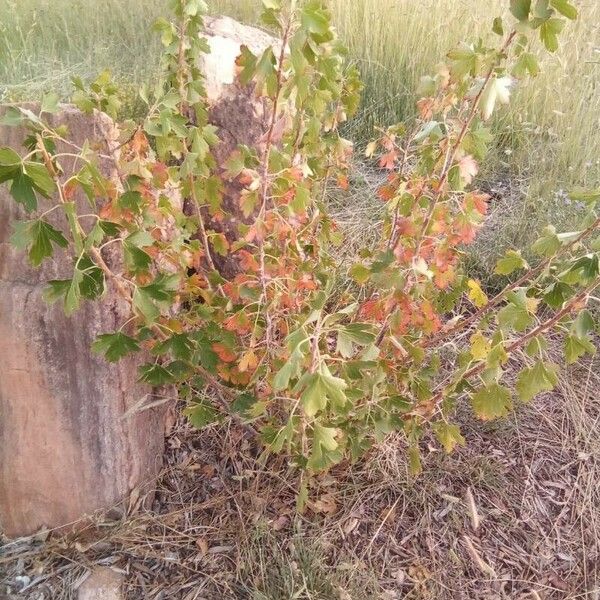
434	402
530	275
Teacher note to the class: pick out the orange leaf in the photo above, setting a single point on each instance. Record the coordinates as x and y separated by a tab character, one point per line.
343	182
225	354
386	192
248	262
388	161
468	168
248	362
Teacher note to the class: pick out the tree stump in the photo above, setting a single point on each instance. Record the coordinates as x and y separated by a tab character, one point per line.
67	446
240	116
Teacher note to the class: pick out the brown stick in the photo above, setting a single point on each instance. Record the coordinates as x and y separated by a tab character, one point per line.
461	136
265	184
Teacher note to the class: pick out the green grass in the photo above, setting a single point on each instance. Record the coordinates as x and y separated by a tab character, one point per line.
550	134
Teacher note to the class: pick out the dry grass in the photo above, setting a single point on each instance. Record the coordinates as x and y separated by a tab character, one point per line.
224	527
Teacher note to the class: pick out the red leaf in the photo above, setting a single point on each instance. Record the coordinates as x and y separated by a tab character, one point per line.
388	161
343	182
225	354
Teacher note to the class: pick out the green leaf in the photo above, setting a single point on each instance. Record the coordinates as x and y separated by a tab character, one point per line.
194	7
180	345
94	237
136	260
515	315
492	402
302	496
283	437
548	244
565	8
132	201
539	378
497	356
360	273
142	301
155	375
162	289
40	237
201	415
541	12
92	280
527	63
536	346
73	294
314	398
13	117
588	196
448	435
115	346
414	460
314	19
50	103
9	158
281	380
247	61
520	9
583	324
511	262
246	405
324	448
586	268
219	243
556	294
362	334
22	191
576	347
322	390
344	345
498	27
464	62
42	180
56	290
549	32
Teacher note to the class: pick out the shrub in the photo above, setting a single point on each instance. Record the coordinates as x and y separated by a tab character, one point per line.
319	358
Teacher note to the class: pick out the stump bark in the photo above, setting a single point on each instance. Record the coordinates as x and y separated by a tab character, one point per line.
240	116
67	447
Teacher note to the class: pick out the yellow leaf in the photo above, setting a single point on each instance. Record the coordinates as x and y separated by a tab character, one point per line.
371	148
476	294
248	362
480	347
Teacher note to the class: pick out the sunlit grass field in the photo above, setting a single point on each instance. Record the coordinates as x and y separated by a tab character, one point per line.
549	137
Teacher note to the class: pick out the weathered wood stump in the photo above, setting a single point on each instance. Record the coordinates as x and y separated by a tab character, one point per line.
240	116
66	447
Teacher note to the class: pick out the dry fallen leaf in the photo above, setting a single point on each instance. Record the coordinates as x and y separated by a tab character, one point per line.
325	504
202	545
350	525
